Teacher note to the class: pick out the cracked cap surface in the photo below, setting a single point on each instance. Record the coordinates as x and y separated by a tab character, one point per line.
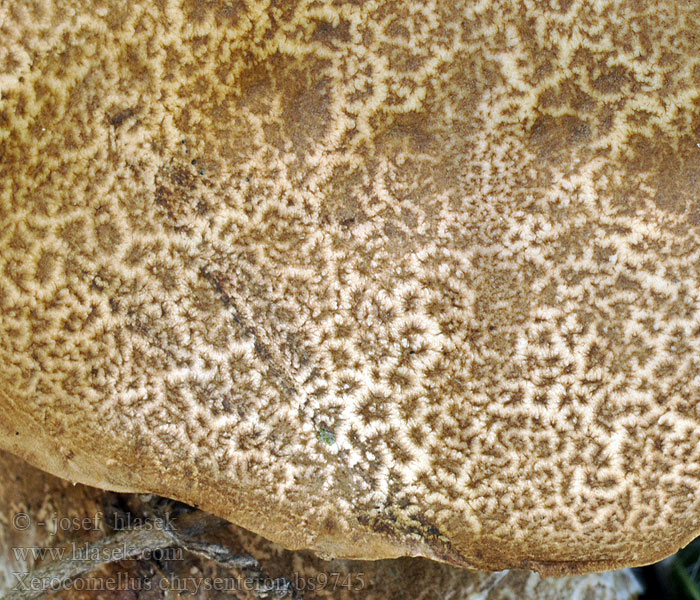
367	278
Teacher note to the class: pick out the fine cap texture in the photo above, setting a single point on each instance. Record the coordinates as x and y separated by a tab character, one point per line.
367	278
74	516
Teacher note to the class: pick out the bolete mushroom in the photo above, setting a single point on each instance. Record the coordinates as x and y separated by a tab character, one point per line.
370	279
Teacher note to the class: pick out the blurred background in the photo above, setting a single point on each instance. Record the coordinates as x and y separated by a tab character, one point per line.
676	578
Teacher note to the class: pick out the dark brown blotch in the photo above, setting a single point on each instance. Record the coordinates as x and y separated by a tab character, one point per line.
612	80
329	34
118	118
550	136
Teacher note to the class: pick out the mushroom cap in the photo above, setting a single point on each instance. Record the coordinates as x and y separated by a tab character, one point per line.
371	279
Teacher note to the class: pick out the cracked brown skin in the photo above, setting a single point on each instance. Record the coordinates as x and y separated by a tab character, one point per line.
369	280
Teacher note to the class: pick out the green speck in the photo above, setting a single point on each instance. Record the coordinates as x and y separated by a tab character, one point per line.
326	436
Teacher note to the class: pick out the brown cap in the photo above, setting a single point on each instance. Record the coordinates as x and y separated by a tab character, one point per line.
371	279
